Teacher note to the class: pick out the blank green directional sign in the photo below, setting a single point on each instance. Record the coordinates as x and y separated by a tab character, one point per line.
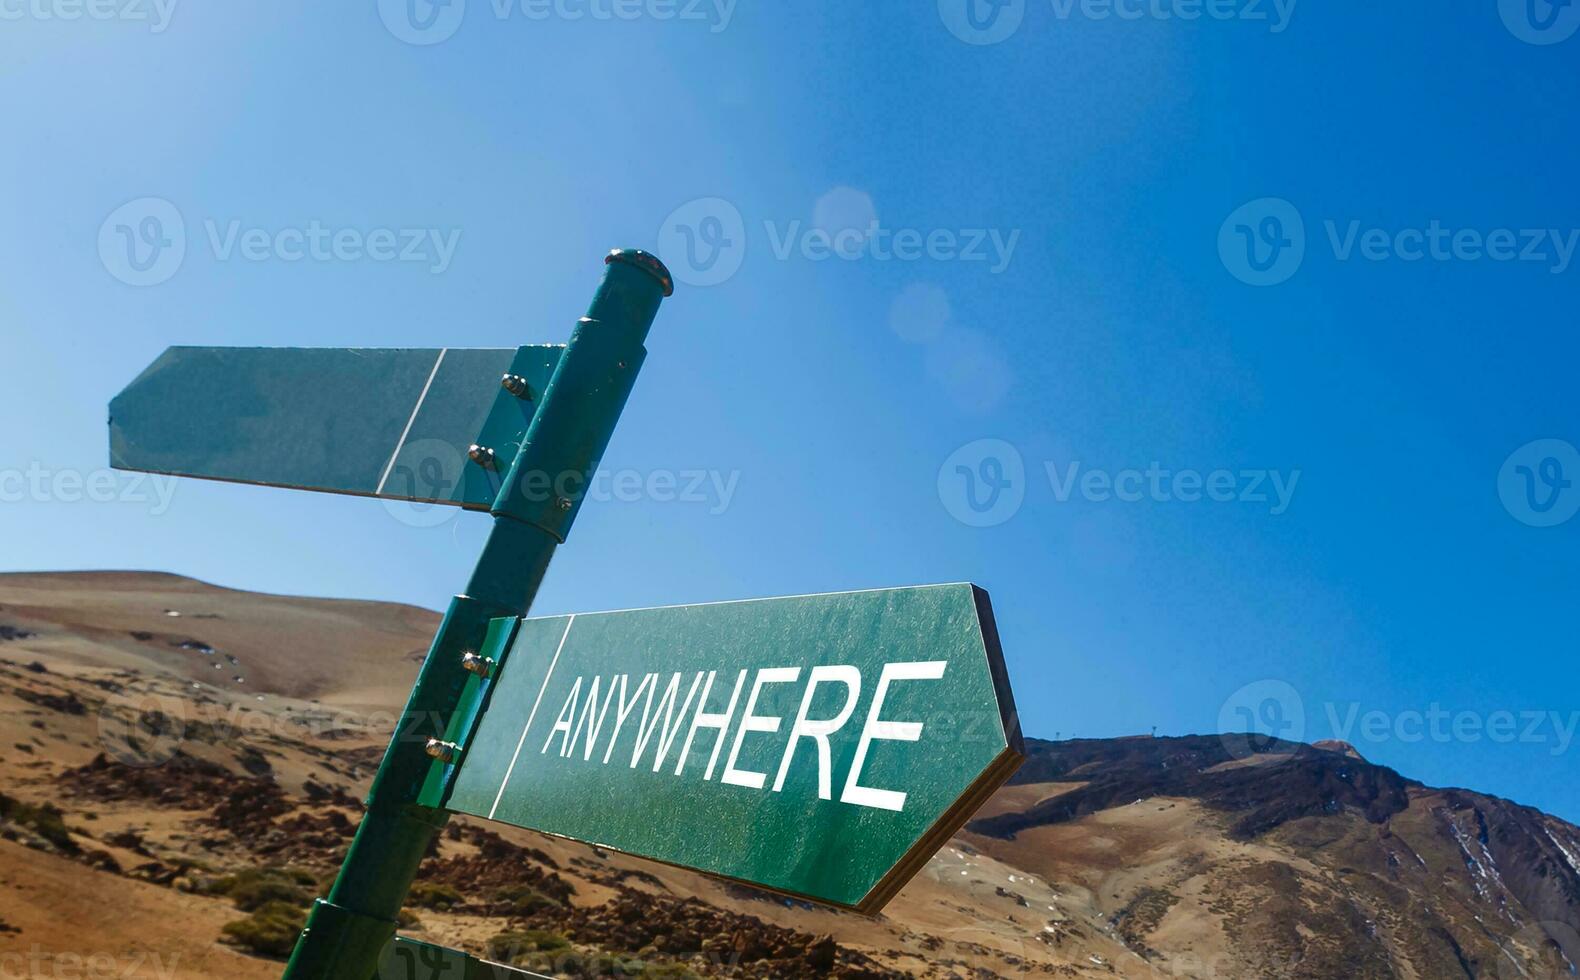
392	423
820	746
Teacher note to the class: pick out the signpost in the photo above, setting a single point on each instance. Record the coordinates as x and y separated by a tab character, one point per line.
820	746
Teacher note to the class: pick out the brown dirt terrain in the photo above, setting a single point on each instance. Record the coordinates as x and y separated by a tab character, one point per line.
182	758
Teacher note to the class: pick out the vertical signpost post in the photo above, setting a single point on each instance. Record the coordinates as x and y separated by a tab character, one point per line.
538	500
819	746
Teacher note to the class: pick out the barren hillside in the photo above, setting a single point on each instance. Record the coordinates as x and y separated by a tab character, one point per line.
184	765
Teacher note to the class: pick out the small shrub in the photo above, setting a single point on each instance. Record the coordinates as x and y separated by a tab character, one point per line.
46	821
254	888
509	946
434	896
270	931
524	900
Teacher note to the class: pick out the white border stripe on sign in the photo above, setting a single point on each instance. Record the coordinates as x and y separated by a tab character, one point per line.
410	422
531	715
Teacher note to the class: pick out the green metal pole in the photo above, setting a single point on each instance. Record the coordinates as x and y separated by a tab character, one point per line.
538	500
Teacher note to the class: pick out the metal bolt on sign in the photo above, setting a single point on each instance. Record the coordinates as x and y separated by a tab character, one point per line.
443	751
517	385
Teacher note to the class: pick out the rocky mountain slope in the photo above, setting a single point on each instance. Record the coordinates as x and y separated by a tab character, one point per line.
183	765
1296	861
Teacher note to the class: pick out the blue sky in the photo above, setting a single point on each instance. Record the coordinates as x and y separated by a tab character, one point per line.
1266	317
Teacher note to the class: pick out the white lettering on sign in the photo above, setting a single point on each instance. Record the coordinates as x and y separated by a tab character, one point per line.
562	725
896	731
581	723
626	707
819	731
667	732
717	722
752	723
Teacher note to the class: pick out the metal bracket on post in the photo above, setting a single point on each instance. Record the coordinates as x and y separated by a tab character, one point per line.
449	750
536	503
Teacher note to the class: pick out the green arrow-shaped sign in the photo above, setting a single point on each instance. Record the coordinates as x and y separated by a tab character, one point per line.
821	746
